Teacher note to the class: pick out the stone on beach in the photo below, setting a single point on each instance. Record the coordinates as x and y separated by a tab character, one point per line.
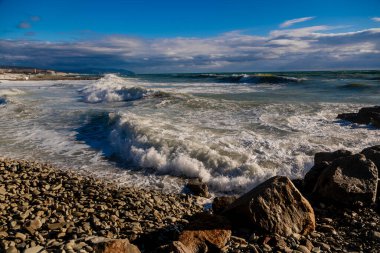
116	246
348	180
198	188
206	233
275	206
221	203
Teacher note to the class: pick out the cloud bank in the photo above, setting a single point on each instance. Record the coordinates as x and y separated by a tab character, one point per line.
308	48
291	22
376	19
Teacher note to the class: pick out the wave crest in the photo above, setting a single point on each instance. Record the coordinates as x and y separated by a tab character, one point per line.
112	88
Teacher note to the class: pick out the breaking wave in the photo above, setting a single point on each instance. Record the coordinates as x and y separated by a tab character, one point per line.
112	88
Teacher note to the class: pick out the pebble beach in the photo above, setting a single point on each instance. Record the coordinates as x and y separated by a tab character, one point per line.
45	209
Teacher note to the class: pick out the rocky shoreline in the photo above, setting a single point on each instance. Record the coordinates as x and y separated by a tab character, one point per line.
44	209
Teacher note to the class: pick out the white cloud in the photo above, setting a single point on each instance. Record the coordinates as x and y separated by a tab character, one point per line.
291	22
376	19
291	49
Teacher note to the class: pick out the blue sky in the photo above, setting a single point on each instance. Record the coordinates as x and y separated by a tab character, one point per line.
186	36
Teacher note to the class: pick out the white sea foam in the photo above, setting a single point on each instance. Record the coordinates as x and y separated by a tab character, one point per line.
230	157
231	144
112	88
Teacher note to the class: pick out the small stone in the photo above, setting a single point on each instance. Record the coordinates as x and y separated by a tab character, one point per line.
316	250
267	248
328	229
12	249
198	188
308	244
34	225
79	246
20	236
303	249
113	246
3	234
296	236
315	234
55	226
3	191
324	246
35	249
375	235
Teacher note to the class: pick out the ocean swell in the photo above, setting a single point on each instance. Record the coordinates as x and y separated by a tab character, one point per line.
260	78
250	78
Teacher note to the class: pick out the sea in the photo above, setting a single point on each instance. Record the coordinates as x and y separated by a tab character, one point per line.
229	130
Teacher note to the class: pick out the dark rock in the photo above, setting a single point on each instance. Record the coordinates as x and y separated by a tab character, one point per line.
220	203
348	180
198	188
330	156
312	176
298	183
373	154
275	206
365	115
206	233
352	117
375	120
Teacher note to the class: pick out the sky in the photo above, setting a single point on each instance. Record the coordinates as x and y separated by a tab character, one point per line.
191	36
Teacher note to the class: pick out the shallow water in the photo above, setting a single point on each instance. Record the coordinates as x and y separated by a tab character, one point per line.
230	130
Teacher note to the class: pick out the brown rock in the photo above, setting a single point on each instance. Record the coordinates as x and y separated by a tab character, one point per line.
207	233
116	246
33	225
348	180
198	188
275	206
220	203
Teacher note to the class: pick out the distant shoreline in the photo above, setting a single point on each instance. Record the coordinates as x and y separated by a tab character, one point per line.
45	77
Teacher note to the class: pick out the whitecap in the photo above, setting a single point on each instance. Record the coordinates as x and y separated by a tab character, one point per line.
112	88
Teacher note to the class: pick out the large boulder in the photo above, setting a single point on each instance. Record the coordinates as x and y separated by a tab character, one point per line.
373	154
330	156
365	115
206	233
348	180
275	206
